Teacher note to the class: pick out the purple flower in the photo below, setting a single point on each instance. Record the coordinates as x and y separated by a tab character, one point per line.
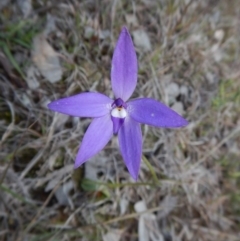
119	116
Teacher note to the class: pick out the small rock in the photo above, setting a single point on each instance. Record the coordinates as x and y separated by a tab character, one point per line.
168	204
123	205
131	19
216	52
61	119
25	6
91	170
88	32
31	79
172	90
112	235
213	141
62	193
46	59
103	34
140	206
178	107
25	100
184	90
234	148
142	40
52	159
50	25
211	78
195	38
219	35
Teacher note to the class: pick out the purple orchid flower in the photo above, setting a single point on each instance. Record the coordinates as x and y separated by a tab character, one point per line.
118	116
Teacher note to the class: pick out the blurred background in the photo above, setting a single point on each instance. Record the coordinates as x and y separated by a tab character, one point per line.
189	183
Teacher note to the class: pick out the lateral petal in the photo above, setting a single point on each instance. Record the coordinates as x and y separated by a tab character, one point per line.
95	139
130	142
151	112
124	67
87	104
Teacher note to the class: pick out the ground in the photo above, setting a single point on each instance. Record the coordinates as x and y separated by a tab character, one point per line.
189	183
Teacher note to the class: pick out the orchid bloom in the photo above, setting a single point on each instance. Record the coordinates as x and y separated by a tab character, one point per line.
119	116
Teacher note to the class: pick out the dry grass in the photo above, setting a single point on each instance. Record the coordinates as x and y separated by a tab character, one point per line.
189	181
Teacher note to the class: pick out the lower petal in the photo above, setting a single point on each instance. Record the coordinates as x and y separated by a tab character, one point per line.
117	124
95	139
130	142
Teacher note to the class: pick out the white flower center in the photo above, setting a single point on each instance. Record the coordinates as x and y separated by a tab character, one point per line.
119	112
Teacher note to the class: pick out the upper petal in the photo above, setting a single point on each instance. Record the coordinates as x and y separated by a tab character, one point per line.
87	104
124	67
95	139
151	112
130	142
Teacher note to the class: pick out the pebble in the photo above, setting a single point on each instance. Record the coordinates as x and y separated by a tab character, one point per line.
178	107
172	90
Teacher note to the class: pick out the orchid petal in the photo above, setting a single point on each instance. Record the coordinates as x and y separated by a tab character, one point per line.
130	142
124	67
117	124
87	104
95	139
151	112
